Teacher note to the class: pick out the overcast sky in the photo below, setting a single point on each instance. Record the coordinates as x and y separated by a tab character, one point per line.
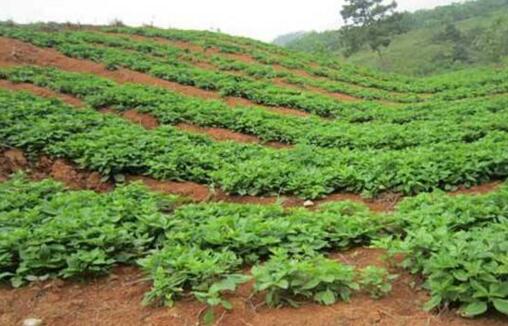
260	19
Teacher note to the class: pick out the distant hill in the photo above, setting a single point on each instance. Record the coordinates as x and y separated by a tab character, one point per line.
288	38
442	39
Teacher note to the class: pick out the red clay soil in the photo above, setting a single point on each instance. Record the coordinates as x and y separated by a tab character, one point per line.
184	45
143	119
334	95
14	52
221	134
40	91
164	41
238	101
478	189
116	300
248	59
196	192
299	72
385	202
338	96
71	176
75	178
199	192
13	160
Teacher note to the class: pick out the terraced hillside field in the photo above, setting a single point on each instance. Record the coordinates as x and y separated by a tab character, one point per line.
171	177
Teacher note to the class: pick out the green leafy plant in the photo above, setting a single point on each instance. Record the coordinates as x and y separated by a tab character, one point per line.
376	281
287	279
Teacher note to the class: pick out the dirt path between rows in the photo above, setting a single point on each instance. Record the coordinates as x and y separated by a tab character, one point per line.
40	91
208	65
15	52
116	300
145	120
73	177
246	58
12	160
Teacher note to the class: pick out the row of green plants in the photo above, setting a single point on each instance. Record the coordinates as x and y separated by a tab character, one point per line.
223	63
458	244
259	92
327	67
270	55
171	108
173	69
170	68
175	55
332	86
198	249
112	146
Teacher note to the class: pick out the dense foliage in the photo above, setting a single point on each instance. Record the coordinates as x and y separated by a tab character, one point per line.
47	231
395	134
480	28
457	243
111	145
391	129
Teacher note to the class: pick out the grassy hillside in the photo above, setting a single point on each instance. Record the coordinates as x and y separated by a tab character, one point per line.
421	50
248	136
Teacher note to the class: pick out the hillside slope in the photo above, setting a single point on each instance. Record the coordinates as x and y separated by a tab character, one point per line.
425	48
188	158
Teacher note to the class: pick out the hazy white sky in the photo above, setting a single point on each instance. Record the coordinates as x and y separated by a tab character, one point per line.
260	19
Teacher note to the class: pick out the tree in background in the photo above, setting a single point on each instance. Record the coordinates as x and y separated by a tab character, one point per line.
493	42
460	43
369	22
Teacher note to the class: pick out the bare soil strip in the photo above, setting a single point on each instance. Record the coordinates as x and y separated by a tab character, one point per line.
14	52
145	120
116	300
12	160
221	134
250	60
246	59
40	91
61	170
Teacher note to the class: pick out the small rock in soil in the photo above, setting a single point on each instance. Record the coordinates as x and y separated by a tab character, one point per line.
32	322
308	203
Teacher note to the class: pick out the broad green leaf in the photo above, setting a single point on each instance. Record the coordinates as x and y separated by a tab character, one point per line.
501	305
432	303
326	297
209	317
473	309
226	304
